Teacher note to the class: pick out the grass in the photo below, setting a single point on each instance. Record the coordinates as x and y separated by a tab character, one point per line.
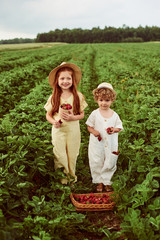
28	45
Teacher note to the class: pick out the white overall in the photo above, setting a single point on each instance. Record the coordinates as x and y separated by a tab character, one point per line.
103	163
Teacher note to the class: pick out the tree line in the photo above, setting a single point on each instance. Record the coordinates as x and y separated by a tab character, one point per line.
95	35
17	40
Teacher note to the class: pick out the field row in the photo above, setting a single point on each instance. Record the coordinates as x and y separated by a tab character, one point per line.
30	187
18	81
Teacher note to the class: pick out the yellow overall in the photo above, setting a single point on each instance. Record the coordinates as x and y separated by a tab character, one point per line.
66	139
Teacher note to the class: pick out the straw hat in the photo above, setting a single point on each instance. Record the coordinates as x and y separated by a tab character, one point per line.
74	67
105	85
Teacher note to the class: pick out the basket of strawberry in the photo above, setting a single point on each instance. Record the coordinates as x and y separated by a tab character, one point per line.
93	201
65	107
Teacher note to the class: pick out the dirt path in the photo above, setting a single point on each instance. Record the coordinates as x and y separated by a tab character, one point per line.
102	219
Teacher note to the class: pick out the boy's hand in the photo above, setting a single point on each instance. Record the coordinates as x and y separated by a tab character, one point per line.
96	133
110	130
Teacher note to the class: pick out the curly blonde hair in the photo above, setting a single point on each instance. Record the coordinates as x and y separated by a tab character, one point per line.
104	93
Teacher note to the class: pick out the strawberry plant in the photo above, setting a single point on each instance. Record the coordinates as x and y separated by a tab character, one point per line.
33	203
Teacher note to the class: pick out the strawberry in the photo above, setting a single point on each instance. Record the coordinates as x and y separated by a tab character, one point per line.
109	130
60	121
116	153
66	106
92	199
63	105
99	138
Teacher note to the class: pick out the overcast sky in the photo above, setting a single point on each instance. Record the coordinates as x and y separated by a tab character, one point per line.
27	18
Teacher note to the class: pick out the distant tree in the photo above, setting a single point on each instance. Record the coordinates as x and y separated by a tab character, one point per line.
17	40
95	35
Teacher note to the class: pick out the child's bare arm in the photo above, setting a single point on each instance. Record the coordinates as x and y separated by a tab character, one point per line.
116	130
93	131
112	130
52	121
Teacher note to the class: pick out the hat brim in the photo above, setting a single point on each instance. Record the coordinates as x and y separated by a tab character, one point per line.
74	67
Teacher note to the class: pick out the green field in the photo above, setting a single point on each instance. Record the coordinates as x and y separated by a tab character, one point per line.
33	203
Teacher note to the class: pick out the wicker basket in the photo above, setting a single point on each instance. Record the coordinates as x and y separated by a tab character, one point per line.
93	207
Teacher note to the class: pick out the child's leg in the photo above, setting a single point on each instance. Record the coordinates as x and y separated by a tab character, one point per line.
107	175
96	161
73	146
59	150
109	168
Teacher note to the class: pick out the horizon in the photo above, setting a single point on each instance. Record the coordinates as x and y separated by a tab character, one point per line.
33	38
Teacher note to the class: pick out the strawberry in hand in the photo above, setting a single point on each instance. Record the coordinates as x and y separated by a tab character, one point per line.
116	153
110	130
60	121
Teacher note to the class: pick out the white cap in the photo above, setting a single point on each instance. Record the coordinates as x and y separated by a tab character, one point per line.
106	85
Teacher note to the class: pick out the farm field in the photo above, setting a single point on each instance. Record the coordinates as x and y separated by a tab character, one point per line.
28	45
33	203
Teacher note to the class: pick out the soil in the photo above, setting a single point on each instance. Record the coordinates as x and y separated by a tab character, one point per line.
101	219
106	218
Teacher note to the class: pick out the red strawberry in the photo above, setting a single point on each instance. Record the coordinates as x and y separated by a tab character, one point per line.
99	138
116	153
92	199
66	106
109	130
63	105
60	121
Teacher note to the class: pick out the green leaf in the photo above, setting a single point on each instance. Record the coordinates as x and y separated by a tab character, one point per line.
36	238
155	205
3	156
155	222
23	185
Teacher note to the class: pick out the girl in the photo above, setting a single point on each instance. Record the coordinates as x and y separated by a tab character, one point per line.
103	125
65	124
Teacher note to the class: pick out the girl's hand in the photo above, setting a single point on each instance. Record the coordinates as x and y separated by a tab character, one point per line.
57	124
68	116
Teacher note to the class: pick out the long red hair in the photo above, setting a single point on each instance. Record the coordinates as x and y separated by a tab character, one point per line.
57	91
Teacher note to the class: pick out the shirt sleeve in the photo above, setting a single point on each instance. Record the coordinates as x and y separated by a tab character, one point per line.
91	120
48	105
118	123
83	103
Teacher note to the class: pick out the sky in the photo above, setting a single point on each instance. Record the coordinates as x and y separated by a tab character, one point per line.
27	18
